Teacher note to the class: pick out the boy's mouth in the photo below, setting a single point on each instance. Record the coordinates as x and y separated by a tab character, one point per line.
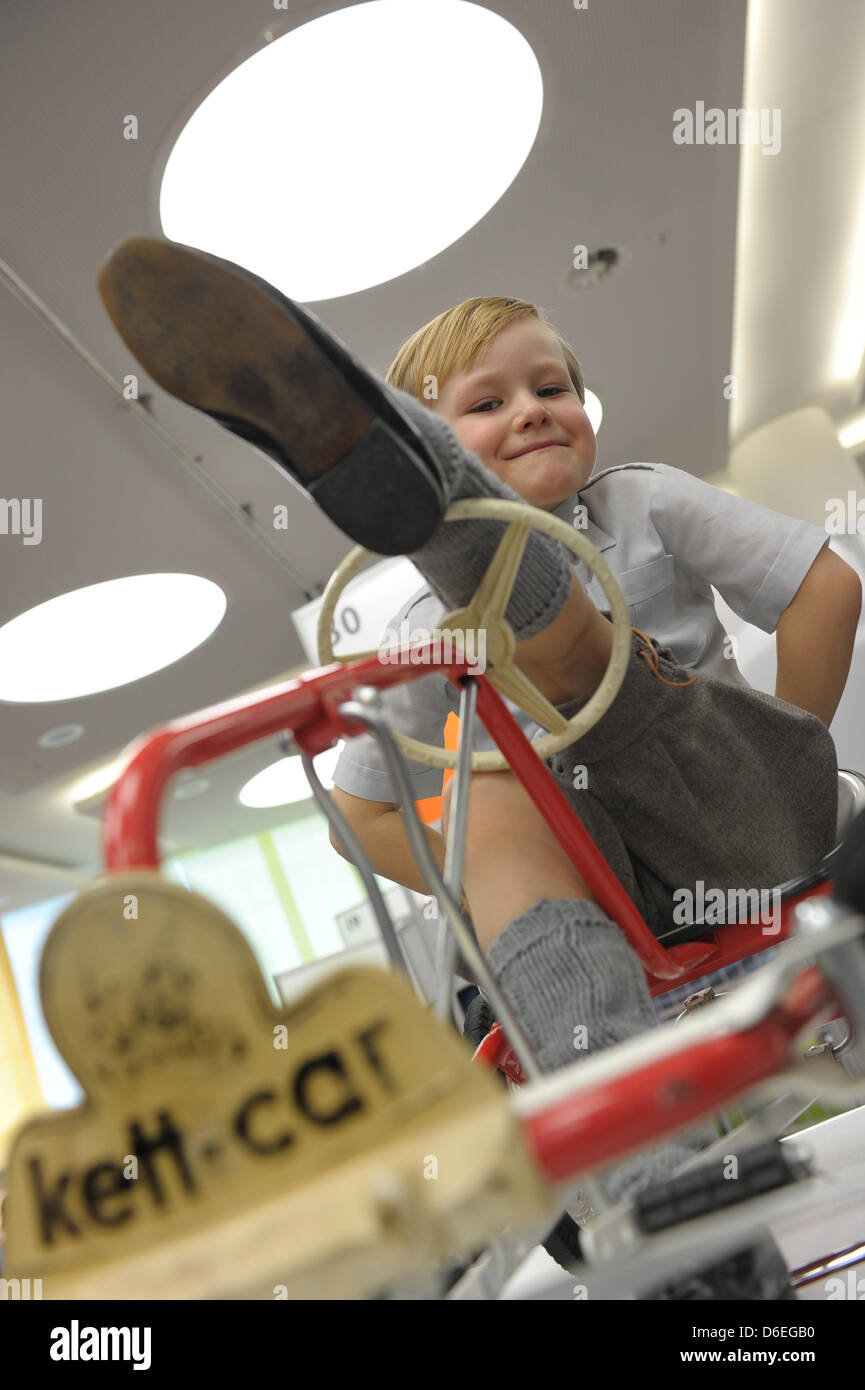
537	448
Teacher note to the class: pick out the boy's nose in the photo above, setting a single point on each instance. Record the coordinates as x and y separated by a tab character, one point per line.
533	412
533	405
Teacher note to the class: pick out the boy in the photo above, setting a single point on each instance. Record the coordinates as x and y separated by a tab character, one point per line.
689	778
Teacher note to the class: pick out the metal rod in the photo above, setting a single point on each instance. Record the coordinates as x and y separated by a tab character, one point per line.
828	1264
446	947
352	844
366	708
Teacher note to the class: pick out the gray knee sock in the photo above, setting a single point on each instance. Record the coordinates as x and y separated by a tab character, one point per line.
565	965
456	558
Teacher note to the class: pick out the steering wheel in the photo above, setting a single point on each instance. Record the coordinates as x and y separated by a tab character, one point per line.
486	610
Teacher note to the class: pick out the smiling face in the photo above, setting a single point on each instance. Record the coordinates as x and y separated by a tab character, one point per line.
521	394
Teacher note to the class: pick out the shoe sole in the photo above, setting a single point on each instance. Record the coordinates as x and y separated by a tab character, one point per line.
230	345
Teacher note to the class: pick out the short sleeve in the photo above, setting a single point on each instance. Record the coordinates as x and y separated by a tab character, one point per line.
417	708
755	557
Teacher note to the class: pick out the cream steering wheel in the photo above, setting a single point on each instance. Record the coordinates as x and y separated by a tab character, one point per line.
485	610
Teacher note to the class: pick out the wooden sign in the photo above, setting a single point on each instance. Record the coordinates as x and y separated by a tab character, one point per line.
228	1149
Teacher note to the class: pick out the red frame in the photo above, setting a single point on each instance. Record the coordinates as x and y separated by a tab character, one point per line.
595	1125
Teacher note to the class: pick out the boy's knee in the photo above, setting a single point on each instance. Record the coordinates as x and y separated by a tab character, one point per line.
477	788
493	796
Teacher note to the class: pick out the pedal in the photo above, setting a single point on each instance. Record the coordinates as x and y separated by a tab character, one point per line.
712	1186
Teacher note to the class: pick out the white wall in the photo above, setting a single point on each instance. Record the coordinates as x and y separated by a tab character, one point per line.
795	465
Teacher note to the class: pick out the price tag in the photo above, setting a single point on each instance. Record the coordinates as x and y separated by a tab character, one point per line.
367	605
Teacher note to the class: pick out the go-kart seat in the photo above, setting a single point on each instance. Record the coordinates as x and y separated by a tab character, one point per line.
751	938
702	952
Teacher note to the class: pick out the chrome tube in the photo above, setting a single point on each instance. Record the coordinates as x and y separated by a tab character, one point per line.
366	708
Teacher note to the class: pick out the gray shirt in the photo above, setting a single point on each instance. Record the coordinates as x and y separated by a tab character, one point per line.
668	537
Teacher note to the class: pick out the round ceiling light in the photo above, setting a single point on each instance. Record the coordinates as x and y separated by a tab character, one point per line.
284	782
106	635
357	146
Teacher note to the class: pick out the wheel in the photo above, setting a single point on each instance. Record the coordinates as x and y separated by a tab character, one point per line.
486	610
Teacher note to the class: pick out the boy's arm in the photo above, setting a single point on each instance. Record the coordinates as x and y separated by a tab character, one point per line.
815	637
380	828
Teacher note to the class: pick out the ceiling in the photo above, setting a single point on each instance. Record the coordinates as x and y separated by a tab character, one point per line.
128	488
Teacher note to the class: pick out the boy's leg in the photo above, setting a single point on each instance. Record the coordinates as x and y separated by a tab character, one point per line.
566	968
230	345
512	858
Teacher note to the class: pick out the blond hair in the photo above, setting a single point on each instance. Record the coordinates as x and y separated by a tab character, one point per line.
452	341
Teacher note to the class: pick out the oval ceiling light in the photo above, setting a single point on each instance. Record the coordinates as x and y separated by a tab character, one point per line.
195	786
60	736
106	635
285	781
357	146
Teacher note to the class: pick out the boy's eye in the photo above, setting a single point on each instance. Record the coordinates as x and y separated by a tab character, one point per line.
542	390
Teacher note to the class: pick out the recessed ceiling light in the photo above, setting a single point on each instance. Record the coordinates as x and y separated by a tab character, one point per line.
62	734
286	781
106	635
357	146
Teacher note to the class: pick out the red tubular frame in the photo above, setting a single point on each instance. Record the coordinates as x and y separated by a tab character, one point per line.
606	1121
596	1125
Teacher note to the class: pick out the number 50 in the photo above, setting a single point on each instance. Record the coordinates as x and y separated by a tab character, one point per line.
345	622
